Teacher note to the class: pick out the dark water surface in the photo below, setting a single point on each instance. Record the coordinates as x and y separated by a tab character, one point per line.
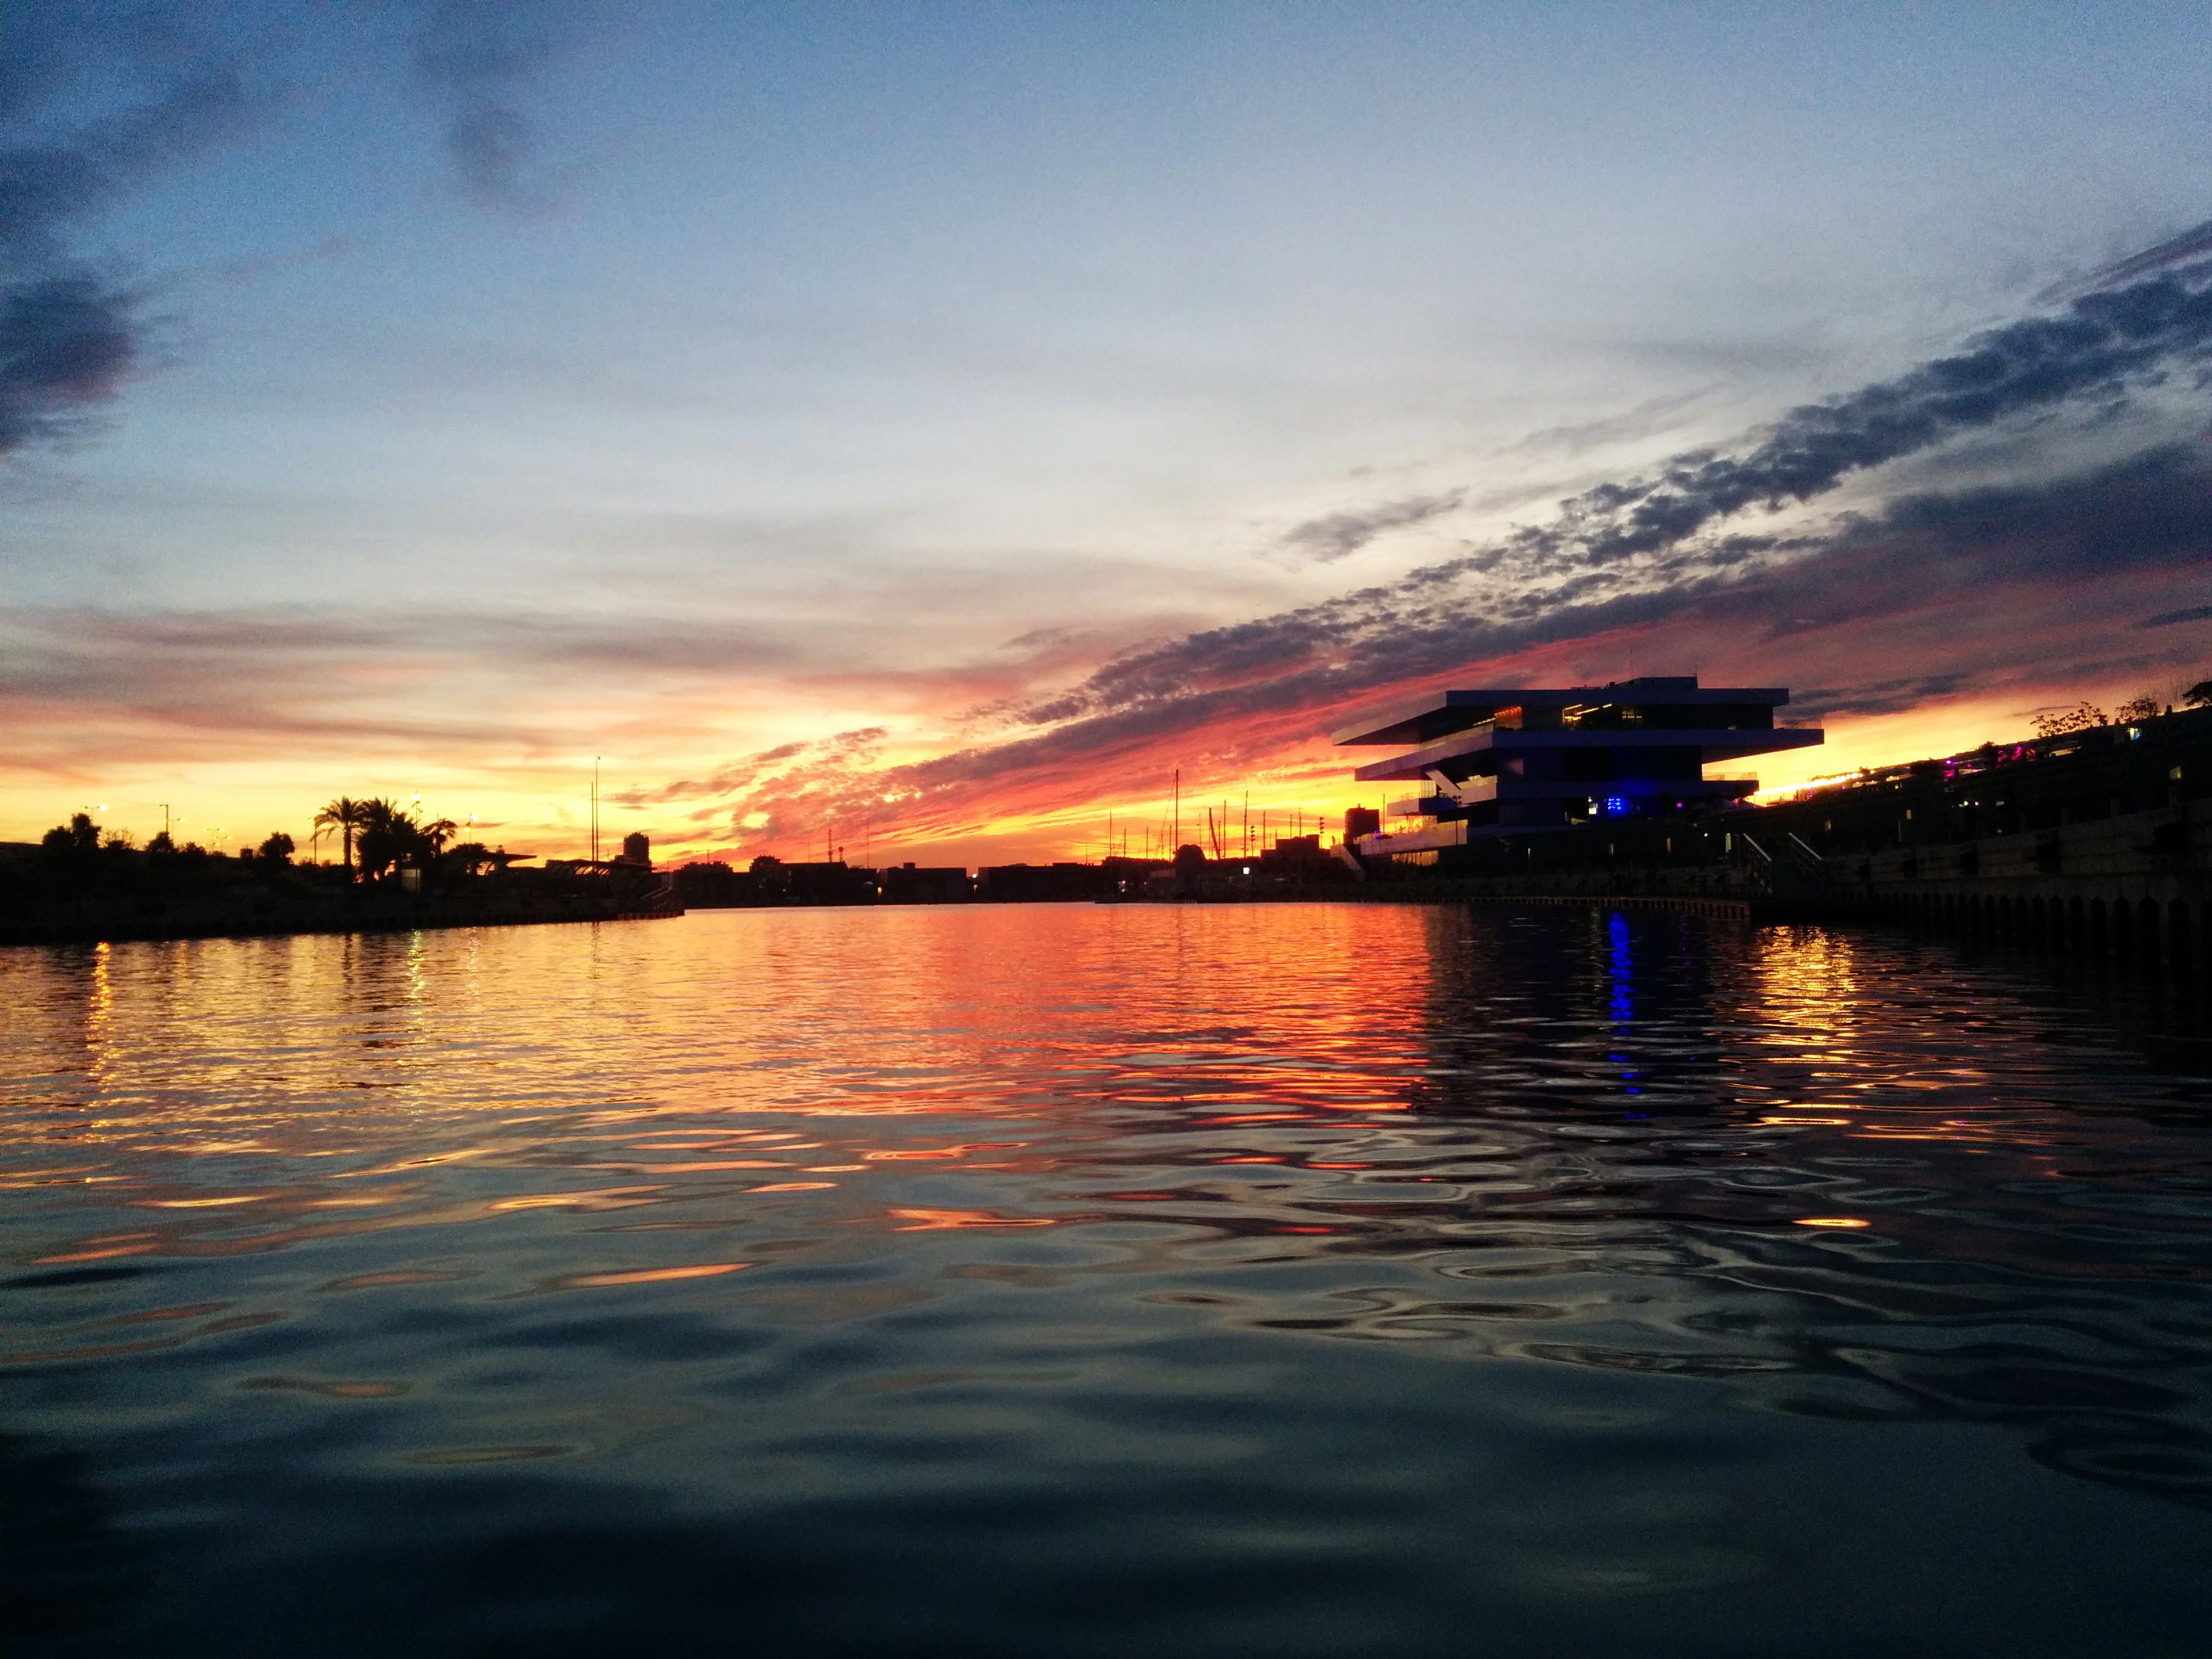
1300	1279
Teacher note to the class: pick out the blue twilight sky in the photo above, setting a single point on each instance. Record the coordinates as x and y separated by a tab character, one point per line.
991	405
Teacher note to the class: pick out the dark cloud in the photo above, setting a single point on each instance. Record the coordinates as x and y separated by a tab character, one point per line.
67	344
2168	618
2099	343
45	187
70	338
1875	698
475	60
1340	535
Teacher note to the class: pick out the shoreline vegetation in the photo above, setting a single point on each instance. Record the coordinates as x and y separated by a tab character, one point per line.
80	884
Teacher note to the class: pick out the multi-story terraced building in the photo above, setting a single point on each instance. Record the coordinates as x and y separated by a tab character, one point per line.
1511	763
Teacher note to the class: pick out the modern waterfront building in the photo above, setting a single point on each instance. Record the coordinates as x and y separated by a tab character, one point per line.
1520	762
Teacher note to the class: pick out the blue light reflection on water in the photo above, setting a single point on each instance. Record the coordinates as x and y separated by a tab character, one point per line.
1288	1279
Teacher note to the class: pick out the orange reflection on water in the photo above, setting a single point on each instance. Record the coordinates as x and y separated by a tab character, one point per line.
101	1254
930	1221
339	1391
271	1093
696	1166
958	1151
378	1282
648	1275
603	1197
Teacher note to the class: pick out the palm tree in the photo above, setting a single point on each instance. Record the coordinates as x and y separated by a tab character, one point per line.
347	815
388	834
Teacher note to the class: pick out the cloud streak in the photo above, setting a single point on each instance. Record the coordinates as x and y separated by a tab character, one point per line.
2172	619
1340	535
2192	245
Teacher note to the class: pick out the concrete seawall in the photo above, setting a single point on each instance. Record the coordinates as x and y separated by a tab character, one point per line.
2139	884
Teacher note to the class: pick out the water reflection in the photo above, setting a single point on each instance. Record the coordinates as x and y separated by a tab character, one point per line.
870	1210
1915	1222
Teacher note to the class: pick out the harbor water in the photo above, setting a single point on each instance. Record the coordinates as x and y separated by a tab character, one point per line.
1101	1280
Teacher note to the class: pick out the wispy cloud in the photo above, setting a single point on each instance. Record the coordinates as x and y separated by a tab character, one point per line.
2191	245
476	61
245	660
48	187
1340	535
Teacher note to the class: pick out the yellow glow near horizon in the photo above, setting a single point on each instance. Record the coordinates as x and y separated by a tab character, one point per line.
539	804
1864	742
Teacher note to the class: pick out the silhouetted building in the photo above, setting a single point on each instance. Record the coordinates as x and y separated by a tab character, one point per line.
825	882
1361	821
713	886
637	848
1505	763
909	884
1129	875
1031	884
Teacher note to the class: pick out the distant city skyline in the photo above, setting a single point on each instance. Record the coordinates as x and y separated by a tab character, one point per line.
931	426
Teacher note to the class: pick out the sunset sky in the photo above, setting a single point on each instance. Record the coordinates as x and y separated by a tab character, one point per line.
927	428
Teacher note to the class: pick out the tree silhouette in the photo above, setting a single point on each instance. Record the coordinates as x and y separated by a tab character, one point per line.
473	857
79	834
343	814
2084	718
388	835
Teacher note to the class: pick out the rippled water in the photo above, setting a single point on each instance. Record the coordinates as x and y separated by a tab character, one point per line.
1293	1279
